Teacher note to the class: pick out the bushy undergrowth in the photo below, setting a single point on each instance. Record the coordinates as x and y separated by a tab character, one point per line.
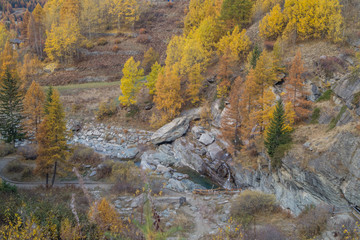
85	155
326	96
106	109
29	152
312	221
249	203
6	149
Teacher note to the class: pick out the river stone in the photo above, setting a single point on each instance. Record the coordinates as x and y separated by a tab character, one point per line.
93	173
171	131
207	138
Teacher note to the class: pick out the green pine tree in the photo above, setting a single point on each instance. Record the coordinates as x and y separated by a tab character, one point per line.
254	56
11	108
48	100
277	134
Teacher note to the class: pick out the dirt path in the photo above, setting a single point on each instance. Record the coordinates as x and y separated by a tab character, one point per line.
202	225
6	160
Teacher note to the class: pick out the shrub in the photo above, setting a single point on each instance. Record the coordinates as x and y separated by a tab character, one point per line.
143	38
87	44
7	188
312	221
326	96
117	41
85	155
15	167
115	48
315	116
269	45
268	232
106	109
29	152
6	149
330	65
279	154
248	203
126	177
102	42
104	171
142	31
133	110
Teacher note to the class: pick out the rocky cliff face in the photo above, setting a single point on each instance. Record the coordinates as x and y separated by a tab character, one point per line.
329	176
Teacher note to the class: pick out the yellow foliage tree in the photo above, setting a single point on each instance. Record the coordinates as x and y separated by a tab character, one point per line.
314	19
52	139
195	82
3	36
130	82
236	43
261	7
199	10
168	98
63	41
33	108
151	79
273	24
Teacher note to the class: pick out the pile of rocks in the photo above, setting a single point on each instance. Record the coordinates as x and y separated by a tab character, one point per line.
112	141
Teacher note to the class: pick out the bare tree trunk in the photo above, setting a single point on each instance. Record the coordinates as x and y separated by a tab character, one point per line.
47	180
53	179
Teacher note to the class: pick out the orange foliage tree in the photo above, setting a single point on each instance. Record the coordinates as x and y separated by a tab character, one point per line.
296	92
33	108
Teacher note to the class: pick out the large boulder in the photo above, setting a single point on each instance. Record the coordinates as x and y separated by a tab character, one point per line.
207	138
151	159
171	131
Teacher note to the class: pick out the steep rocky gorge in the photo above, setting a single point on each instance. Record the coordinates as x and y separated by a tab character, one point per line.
324	169
329	176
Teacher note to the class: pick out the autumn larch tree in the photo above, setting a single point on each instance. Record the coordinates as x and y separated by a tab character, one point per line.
259	80
150	58
11	108
231	122
151	79
52	138
273	24
296	92
168	97
130	82
195	80
33	108
225	71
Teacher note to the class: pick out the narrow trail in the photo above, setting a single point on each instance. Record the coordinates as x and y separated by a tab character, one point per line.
89	184
202	225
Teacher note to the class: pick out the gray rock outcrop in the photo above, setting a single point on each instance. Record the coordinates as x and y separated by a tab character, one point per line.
171	131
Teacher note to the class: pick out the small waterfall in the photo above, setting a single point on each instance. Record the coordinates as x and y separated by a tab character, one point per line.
227	184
